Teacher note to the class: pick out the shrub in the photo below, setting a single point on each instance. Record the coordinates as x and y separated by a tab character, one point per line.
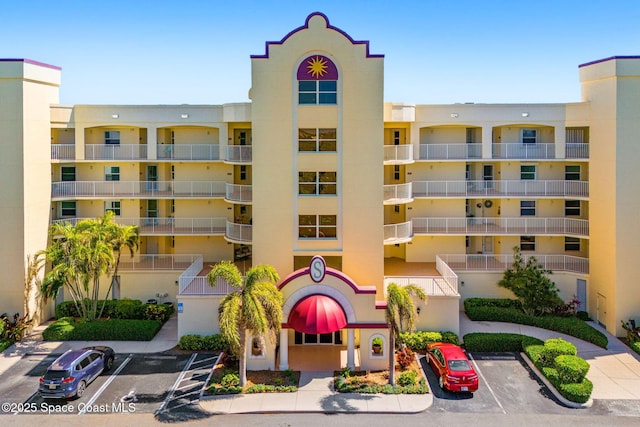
571	369
4	344
408	378
577	392
14	329
405	357
417	341
214	343
59	330
583	315
129	309
194	342
160	312
636	347
489	342
230	379
190	342
555	347
491	302
67	329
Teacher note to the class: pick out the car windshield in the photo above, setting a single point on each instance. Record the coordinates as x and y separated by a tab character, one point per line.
56	375
459	365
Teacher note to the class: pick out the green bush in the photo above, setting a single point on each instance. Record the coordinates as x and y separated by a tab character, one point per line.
408	378
488	342
190	342
417	341
67	329
491	302
636	347
214	343
129	309
193	342
161	312
533	351
4	344
577	392
555	347
571	369
230	379
583	315
566	325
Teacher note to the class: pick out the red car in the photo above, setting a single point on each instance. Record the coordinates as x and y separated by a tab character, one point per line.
450	364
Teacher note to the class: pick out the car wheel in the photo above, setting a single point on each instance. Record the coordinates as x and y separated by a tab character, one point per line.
441	382
81	387
108	363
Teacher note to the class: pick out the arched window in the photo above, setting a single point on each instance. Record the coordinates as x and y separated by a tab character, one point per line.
377	344
317	81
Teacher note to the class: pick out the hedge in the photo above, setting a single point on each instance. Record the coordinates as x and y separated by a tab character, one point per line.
490	342
68	329
4	344
417	341
571	369
193	342
121	309
555	347
498	310
636	347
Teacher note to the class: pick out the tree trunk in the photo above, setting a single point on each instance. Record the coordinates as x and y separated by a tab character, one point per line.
392	357
242	360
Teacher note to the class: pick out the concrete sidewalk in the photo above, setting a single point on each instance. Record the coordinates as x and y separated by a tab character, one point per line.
615	371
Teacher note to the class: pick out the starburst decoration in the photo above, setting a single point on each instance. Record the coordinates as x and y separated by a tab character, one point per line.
317	66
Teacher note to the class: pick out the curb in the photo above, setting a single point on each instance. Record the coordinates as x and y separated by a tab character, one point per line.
553	390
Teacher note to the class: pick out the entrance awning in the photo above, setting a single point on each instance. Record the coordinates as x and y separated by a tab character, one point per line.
317	314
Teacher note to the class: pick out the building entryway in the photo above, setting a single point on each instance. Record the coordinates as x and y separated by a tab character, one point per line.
319	357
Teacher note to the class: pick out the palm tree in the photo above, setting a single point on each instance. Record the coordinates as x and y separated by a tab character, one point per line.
254	308
401	317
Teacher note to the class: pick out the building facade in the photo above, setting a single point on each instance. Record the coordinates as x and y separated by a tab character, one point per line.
341	192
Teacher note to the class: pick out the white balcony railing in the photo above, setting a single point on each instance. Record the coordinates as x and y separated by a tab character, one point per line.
199	285
398	154
524	151
238	193
115	151
450	151
215	226
239	154
501	226
63	151
501	188
500	262
189	152
577	151
397	233
396	194
238	233
431	285
144	189
151	262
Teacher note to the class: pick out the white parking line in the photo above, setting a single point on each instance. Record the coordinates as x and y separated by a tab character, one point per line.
105	385
486	382
175	385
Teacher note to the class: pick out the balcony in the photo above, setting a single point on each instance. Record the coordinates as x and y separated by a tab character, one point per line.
524	226
499	262
450	151
186	152
501	188
577	151
63	152
153	262
238	233
397	233
115	152
240	154
398	154
524	151
397	194
235	193
168	226
137	189
446	284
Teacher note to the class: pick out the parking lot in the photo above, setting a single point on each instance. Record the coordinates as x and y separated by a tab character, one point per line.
137	383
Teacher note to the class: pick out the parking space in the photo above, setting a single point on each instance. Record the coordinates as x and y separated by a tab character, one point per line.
507	386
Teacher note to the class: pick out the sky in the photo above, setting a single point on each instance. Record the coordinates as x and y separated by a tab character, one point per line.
436	51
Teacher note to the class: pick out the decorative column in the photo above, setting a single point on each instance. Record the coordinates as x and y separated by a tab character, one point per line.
350	349
487	142
284	349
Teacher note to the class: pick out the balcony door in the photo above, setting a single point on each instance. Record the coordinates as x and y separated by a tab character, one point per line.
487	176
152	177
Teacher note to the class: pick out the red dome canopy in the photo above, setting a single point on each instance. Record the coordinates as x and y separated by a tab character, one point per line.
317	314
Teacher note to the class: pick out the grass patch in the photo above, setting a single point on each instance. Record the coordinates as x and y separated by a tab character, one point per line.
70	329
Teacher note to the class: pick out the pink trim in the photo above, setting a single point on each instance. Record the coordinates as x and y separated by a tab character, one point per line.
305	26
352	326
381	305
597	61
330	272
29	61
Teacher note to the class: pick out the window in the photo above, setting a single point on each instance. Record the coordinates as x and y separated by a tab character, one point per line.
173	206
572	207
314	183
396	137
173	172
528	172
527	243
317	140
68	173
396	208
243	173
317	226
68	208
112	173
571	244
527	208
572	173
318	92
113	206
396	172
112	137
529	136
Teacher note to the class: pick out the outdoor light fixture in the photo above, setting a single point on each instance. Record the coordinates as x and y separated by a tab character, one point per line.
525	114
418	311
185	116
454	115
115	116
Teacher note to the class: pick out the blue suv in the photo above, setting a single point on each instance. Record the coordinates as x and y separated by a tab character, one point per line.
70	373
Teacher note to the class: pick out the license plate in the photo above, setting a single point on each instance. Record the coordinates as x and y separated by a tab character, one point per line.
464	388
52	386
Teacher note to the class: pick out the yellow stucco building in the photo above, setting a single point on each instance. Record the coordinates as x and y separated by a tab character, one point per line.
341	192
